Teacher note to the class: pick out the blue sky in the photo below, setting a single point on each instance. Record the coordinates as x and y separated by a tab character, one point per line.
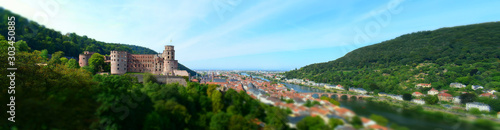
253	34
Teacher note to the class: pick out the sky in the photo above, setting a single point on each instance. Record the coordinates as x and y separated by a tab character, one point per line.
252	34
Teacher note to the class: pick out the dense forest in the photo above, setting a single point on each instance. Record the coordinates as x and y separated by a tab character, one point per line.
60	95
466	54
38	37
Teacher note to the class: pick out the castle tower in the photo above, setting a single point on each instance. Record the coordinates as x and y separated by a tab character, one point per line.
84	58
169	62
118	62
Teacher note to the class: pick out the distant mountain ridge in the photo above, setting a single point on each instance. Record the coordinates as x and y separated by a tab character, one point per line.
38	37
464	50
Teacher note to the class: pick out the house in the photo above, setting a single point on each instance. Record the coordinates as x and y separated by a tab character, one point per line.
367	122
457	99
343	112
475	87
443	91
478	105
339	87
423	85
382	94
329	86
418	101
377	127
432	92
396	97
488	95
358	90
457	85
445	97
195	80
490	91
417	94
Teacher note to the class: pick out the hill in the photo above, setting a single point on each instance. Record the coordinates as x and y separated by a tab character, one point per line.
38	37
468	54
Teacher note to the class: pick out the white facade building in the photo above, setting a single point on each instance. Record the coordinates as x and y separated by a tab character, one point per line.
418	101
475	87
456	99
457	85
478	105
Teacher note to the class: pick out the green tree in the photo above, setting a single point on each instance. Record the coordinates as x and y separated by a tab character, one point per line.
467	97
73	64
334	122
96	62
475	111
64	60
211	88
429	99
312	123
238	122
219	121
44	54
148	77
356	122
22	46
217	103
407	97
56	58
276	118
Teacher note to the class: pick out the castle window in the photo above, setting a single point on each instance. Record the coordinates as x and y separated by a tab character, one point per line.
117	68
118	65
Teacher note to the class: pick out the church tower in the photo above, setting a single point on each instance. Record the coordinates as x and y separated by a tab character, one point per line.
169	62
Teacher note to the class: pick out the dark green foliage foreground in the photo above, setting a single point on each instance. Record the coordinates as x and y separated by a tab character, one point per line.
466	54
57	96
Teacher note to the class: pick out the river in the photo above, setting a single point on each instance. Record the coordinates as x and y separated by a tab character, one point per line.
394	115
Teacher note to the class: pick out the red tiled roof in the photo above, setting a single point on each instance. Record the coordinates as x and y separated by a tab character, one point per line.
365	120
487	95
378	127
445	95
417	93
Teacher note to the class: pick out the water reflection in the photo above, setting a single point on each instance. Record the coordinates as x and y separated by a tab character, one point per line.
395	115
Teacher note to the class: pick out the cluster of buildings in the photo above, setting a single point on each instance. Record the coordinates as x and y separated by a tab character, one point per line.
272	94
358	90
478	105
444	96
305	82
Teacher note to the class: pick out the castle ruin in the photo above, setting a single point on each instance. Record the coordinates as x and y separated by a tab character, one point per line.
122	62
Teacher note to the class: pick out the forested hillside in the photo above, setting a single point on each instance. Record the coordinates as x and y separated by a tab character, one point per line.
467	54
38	37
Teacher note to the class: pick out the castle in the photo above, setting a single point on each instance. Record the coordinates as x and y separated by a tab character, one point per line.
122	62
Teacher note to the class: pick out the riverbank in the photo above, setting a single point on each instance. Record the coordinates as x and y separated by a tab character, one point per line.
433	113
411	117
